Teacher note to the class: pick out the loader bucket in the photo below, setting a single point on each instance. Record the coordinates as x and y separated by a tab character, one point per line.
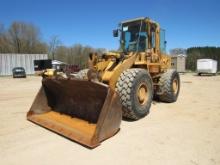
83	111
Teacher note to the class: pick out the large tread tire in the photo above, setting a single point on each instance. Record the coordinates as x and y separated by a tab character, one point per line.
169	94
82	74
127	87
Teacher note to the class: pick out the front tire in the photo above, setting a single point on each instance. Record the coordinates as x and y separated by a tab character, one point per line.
135	89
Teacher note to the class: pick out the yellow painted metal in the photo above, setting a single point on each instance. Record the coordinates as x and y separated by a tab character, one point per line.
111	76
175	85
106	76
110	65
153	27
102	65
165	62
115	54
49	72
126	64
142	93
141	63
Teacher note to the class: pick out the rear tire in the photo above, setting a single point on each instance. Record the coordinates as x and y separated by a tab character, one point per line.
135	89
169	85
82	74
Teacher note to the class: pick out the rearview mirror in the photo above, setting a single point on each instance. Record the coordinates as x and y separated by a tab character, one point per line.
115	33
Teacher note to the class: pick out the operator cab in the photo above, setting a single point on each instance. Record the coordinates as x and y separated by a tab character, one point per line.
139	35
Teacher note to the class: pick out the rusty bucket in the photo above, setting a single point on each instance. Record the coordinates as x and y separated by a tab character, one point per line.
83	111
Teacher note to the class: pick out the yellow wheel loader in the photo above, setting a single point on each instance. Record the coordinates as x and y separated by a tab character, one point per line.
89	107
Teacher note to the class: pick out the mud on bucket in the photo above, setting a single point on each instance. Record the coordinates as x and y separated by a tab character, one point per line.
80	110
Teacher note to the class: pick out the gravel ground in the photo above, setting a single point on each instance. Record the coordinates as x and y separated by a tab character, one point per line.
181	133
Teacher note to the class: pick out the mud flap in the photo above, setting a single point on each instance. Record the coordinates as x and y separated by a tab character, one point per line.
83	111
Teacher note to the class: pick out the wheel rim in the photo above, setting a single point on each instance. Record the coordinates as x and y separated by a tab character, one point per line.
142	94
175	85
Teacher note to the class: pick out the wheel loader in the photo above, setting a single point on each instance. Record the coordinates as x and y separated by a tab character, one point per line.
88	107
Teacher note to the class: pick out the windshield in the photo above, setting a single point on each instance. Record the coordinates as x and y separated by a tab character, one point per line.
134	36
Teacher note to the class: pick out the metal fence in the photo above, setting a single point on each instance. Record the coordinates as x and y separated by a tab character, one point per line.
9	61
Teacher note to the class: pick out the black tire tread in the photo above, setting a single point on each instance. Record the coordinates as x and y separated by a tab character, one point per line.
123	87
165	86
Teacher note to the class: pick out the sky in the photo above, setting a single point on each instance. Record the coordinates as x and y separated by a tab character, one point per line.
90	22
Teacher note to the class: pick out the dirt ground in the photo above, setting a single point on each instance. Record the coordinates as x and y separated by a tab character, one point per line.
182	133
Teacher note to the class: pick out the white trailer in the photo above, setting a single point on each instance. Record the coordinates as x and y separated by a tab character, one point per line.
206	66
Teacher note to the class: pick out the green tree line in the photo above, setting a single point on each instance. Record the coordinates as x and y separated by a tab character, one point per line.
21	37
26	38
195	53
